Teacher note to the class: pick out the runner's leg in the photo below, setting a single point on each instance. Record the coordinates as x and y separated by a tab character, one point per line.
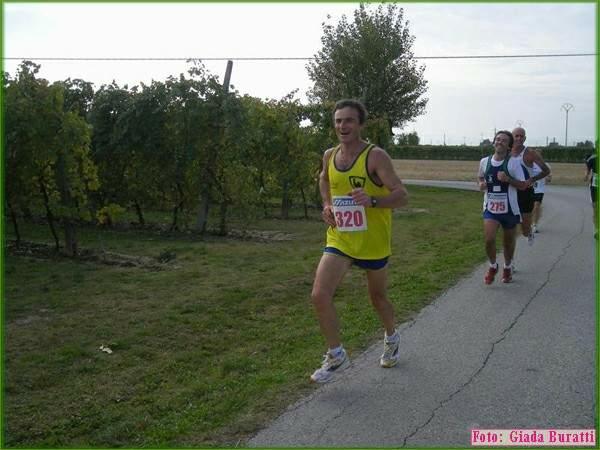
537	213
490	229
509	244
377	283
330	272
526	224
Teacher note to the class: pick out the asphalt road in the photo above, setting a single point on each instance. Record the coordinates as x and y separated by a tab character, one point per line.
504	356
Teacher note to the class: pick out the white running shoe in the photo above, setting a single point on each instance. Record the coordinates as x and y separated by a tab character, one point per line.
391	353
330	366
534	228
530	238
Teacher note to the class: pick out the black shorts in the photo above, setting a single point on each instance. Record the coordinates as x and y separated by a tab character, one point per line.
525	200
538	197
593	193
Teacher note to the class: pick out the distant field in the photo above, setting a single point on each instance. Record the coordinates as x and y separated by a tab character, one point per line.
410	169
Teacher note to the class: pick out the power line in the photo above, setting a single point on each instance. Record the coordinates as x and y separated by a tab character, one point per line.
286	58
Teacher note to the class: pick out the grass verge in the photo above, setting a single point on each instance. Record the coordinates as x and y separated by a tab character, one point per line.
211	348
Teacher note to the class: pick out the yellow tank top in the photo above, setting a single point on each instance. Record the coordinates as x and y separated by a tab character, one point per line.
362	232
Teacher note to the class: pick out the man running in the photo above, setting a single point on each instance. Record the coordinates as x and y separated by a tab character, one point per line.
591	174
359	188
527	158
500	176
539	188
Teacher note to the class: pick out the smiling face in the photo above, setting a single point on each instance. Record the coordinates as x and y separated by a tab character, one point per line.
519	136
501	144
347	125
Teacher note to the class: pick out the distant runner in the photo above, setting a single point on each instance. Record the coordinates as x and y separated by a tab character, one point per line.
499	177
527	158
539	188
591	174
359	188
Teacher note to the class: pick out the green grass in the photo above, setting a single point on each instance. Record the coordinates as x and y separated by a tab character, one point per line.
210	349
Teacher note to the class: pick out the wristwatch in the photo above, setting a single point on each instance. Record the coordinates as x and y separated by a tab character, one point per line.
373	202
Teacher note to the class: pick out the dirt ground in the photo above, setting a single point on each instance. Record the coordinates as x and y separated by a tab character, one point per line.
411	169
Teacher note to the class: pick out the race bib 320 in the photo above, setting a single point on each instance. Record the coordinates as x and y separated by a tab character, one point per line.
348	215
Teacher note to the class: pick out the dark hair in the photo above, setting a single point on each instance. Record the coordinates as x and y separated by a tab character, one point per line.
350	103
510	137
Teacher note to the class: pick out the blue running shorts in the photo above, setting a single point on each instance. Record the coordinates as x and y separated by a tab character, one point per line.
508	221
367	264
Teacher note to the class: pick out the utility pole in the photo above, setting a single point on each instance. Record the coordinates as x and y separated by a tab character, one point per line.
444	138
227	76
567	107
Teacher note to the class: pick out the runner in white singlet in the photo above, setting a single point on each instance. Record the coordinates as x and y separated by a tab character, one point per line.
539	188
528	158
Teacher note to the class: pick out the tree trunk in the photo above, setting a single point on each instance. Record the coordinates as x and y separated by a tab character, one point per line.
67	201
71	246
138	211
223	218
49	215
203	212
13	218
173	226
27	213
285	201
178	207
205	197
317	192
304	202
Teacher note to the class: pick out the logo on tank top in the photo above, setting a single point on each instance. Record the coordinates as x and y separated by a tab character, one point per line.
357	182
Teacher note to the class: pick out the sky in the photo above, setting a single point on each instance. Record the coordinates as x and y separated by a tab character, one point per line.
468	98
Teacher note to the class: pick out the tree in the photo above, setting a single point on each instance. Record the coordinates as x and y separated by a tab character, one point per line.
411	138
371	59
47	153
113	144
214	101
78	94
21	101
587	143
319	136
74	171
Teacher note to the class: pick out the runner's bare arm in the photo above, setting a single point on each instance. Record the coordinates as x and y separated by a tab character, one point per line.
520	185
536	158
384	169
482	184
327	213
481	175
